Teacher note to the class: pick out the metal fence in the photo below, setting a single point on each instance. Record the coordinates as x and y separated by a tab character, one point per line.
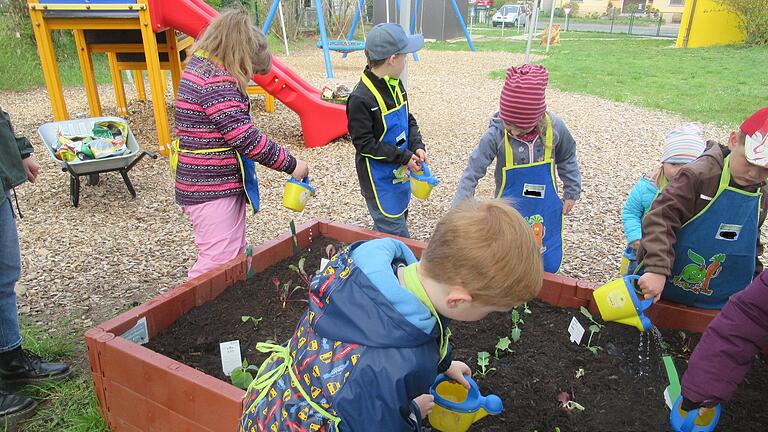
659	25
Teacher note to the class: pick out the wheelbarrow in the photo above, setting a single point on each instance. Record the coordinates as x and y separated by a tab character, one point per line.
90	169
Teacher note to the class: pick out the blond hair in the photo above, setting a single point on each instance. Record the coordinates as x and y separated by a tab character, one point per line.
489	249
237	44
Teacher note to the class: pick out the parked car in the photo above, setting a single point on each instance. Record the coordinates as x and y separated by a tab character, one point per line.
510	15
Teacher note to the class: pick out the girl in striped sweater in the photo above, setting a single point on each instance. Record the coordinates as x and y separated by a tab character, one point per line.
216	139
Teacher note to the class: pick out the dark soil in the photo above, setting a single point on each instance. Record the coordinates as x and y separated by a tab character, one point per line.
194	338
619	390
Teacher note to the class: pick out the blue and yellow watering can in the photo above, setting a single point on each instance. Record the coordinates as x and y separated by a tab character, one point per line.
617	301
422	182
297	193
691	421
456	408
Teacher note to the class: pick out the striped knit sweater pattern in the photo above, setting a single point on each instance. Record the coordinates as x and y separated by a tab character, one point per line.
212	112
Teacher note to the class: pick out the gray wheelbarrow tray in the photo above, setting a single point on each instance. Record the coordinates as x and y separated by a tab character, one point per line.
92	168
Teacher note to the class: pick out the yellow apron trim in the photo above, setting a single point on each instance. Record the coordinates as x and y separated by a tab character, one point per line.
548	141
263	382
725	180
380	101
415	287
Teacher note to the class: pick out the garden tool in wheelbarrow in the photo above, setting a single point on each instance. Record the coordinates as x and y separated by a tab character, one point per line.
680	419
91	146
457	408
617	301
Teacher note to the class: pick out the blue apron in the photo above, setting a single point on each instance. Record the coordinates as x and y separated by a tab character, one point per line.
531	190
391	185
715	250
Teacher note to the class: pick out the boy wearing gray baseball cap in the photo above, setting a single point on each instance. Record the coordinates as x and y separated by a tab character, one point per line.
386	137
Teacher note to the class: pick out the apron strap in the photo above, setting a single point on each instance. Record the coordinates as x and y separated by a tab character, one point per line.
509	155
264	381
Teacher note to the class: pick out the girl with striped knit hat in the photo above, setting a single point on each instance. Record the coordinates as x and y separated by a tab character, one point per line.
528	143
217	143
683	145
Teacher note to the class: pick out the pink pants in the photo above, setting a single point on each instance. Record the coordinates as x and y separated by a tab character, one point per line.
219	228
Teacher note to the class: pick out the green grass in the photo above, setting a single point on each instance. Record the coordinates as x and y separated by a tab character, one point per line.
722	85
68	406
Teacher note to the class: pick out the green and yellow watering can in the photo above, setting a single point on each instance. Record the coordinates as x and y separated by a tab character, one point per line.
617	301
456	408
297	193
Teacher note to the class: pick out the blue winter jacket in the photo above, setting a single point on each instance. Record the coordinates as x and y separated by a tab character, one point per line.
364	349
637	205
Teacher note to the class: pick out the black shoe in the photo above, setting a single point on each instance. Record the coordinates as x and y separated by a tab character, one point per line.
15	408
20	366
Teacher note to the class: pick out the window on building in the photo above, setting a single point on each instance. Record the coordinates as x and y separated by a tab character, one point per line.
677	2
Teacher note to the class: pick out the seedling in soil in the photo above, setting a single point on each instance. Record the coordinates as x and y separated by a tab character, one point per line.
299	268
255	321
595	327
569	404
516	332
503	345
242	376
483	360
284	291
526	310
580	373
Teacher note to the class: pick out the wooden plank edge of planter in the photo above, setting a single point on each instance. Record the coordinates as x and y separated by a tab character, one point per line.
163	310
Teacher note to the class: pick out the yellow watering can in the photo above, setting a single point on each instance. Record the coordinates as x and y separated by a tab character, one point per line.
422	182
456	408
617	301
297	193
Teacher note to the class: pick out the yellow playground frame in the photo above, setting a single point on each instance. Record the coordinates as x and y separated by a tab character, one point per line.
43	24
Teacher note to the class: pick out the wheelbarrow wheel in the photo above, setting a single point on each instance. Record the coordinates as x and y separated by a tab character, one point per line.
92	179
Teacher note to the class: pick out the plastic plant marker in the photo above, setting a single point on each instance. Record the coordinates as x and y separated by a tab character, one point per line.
672	392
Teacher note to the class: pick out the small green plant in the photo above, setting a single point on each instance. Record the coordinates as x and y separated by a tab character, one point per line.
299	268
483	361
503	345
284	291
255	321
516	331
595	327
242	376
580	373
526	310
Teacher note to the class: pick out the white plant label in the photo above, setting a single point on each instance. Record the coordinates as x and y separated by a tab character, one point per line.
576	330
139	333
230	356
323	263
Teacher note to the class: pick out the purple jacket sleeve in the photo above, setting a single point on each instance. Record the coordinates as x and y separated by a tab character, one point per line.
726	350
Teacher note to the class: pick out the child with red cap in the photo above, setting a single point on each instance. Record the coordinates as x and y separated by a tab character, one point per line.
701	238
528	143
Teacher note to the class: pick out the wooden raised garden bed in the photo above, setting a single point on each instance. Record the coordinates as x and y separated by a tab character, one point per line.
140	389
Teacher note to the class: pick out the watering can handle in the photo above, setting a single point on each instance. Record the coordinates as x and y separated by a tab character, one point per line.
690	420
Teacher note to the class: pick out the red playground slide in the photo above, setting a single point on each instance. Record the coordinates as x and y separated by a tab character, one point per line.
321	122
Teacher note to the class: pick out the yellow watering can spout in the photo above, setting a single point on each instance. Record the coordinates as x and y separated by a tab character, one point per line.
618	302
456	408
